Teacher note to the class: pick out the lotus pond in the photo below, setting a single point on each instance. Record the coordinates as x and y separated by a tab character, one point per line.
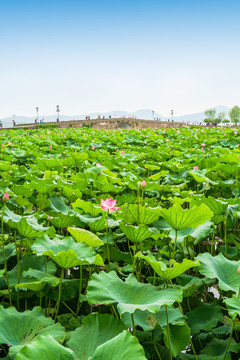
120	245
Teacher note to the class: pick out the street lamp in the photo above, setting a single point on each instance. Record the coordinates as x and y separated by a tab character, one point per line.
153	114
58	111
172	115
37	113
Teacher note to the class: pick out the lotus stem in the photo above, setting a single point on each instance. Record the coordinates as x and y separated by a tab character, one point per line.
108	252
133	323
59	294
80	290
5	262
158	354
230	338
168	331
225	235
175	244
213	239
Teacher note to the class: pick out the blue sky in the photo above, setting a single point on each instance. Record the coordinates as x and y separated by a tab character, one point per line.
127	55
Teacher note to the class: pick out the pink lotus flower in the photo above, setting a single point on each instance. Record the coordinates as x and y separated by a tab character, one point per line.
93	147
3	145
178	132
9	143
235	132
203	144
122	152
167	139
6	197
202	149
98	165
48	132
50	147
109	205
195	167
117	150
143	184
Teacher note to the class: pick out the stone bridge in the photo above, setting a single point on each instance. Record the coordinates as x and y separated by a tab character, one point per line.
109	124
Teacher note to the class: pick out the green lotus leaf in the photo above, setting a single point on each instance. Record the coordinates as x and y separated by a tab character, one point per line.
45	348
108	188
87	207
10	250
180	219
36	280
122	347
148	321
200	177
165	273
135	214
21	328
216	348
179	337
105	288
222	269
233	305
218	207
41	185
21	190
49	174
66	252
198	234
96	330
95	223
136	233
81	235
204	317
29	261
58	205
189	284
62	221
27	226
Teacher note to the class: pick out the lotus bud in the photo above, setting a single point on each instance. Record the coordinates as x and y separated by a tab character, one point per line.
238	270
6	197
143	184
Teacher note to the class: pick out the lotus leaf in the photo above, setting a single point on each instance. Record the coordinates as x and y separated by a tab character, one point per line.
179	338
165	273
66	252
81	235
233	305
205	317
180	219
21	328
96	330
222	269
105	288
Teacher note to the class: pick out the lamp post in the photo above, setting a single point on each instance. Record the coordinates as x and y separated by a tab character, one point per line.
58	111
37	113
172	115
153	115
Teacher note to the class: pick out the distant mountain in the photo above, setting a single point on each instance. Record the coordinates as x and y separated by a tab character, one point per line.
145	114
199	117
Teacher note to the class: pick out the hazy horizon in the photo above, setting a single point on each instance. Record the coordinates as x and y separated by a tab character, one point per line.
104	56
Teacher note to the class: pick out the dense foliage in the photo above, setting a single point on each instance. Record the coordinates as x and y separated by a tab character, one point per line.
152	275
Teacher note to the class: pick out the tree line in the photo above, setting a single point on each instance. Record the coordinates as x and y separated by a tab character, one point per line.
214	119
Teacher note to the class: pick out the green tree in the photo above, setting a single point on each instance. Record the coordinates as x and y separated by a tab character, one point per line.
234	114
210	114
221	116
